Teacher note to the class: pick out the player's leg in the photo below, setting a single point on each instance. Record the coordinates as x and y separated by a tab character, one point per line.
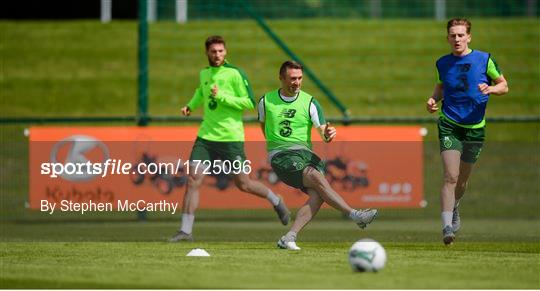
314	179
472	147
191	196
234	152
190	204
451	138
451	162
465	170
303	217
200	152
307	211
246	184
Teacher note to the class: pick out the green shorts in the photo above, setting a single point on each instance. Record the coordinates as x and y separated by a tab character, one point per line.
468	141
206	150
289	166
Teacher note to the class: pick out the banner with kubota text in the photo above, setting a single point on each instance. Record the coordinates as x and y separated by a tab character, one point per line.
369	166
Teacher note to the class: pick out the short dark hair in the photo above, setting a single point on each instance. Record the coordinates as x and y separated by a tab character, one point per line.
290	65
459	21
214	39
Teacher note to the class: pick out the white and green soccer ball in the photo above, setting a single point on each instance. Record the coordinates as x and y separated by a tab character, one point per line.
367	255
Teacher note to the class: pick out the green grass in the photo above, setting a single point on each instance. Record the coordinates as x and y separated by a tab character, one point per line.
377	68
243	255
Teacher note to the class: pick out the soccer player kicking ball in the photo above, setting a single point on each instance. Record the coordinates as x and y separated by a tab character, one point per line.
286	115
464	83
225	93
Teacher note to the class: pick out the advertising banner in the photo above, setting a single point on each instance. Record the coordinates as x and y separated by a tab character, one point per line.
146	168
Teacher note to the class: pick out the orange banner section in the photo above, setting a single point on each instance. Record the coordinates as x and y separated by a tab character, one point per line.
370	166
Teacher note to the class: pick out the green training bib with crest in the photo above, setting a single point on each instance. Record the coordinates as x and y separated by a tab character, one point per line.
287	124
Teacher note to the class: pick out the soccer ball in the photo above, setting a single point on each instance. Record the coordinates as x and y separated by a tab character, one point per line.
367	255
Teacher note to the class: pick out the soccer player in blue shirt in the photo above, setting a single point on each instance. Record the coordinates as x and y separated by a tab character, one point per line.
466	78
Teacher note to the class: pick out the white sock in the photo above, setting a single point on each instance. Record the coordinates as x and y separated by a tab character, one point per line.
187	223
273	198
353	213
446	217
291	234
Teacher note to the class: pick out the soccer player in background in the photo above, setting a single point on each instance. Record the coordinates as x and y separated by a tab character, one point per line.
287	115
225	93
466	77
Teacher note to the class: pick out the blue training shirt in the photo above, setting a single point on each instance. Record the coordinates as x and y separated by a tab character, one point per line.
463	102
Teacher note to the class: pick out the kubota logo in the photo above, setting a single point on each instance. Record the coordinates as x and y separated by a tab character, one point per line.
79	146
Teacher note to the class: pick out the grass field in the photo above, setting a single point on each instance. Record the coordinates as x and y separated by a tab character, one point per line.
378	68
489	254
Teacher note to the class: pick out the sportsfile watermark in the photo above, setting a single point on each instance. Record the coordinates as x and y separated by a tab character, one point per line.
119	167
